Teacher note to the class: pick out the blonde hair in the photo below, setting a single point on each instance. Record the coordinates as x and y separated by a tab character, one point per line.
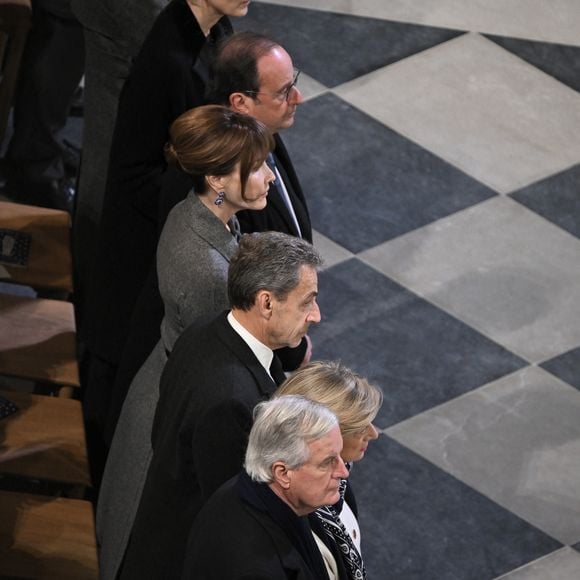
349	396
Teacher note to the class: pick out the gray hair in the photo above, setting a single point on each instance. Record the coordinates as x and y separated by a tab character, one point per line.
283	428
268	261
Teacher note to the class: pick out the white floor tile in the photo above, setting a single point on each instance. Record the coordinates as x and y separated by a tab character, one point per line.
516	440
561	565
479	107
554	21
332	252
500	268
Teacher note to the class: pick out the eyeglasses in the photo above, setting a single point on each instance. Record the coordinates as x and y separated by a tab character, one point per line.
282	95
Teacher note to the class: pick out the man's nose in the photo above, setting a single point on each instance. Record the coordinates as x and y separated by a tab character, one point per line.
314	314
341	471
295	97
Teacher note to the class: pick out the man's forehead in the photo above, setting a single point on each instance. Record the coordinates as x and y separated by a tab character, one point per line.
275	66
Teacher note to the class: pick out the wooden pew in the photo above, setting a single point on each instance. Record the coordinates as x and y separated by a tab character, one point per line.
45	440
46	537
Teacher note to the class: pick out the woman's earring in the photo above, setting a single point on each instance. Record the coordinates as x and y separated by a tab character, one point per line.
220	198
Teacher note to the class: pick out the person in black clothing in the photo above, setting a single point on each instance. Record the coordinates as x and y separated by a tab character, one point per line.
217	372
255	525
39	166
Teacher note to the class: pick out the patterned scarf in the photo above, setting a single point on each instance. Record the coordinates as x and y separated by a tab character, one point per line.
328	517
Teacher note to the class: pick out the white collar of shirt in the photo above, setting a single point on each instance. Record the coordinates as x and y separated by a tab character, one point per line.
260	350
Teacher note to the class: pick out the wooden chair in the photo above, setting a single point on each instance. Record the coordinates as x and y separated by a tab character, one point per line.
46	537
15	21
45	440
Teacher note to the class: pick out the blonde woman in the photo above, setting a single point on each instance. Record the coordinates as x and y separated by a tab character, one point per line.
356	403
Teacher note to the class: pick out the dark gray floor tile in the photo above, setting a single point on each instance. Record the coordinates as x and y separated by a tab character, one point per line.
335	48
557	198
367	184
566	367
417	353
558	60
427	525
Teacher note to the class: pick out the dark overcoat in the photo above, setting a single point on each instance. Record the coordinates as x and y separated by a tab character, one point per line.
209	387
165	80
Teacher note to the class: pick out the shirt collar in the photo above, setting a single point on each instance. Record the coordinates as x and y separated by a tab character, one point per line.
260	350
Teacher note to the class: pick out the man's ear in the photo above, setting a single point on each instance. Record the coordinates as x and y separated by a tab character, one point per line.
281	475
240	103
264	301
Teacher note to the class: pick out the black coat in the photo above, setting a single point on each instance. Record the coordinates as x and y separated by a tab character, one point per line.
244	532
165	81
208	390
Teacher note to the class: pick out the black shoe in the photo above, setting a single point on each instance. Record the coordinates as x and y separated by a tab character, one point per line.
54	194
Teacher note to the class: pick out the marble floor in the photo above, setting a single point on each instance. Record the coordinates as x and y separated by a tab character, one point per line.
439	146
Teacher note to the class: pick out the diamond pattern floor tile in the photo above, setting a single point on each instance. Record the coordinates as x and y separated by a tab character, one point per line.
479	107
566	367
426	524
498	267
563	564
517	441
366	184
419	355
557	198
557	21
314	39
560	61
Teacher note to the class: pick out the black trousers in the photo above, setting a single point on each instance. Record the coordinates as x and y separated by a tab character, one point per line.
51	69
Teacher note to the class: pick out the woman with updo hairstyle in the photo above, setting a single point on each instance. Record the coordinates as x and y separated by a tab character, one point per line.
355	402
224	153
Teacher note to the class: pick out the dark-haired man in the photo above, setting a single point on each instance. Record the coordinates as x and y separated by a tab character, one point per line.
217	372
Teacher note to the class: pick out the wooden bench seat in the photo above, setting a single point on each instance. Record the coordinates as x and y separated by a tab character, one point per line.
46	537
38	340
49	263
44	440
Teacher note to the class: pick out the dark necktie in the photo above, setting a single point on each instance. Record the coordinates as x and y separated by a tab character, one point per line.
276	371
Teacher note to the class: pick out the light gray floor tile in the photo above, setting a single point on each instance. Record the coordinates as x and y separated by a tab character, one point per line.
561	565
309	87
554	21
516	440
499	267
332	252
479	107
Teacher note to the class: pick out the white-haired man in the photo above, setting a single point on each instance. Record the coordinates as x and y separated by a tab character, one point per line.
254	525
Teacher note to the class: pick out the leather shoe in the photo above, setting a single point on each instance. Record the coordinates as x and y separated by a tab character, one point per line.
53	194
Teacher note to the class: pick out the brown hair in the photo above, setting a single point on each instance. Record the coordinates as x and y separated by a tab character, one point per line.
349	396
211	140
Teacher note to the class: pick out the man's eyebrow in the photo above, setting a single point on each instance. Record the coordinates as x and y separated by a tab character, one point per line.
311	295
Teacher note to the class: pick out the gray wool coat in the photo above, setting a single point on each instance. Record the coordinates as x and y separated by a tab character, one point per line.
192	260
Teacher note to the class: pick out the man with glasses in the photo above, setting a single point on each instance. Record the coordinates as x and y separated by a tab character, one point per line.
254	75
